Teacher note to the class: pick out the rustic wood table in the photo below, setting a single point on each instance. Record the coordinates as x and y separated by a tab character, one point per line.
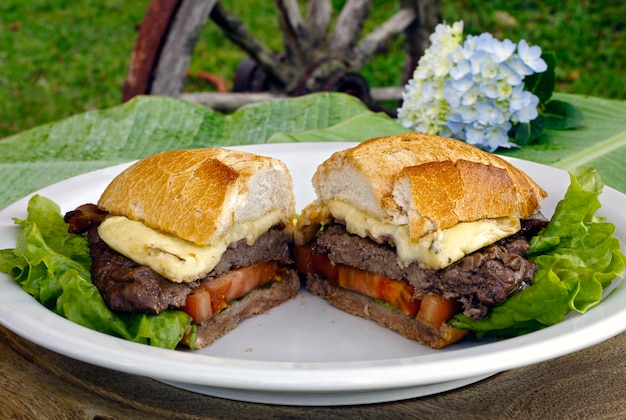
37	383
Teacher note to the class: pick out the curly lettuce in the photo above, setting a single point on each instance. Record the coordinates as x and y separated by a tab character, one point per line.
53	266
577	257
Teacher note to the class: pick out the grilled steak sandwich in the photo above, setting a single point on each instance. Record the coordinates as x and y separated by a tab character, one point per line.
206	231
410	230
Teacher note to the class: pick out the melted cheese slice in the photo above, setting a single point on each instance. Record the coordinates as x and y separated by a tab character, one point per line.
436	250
174	258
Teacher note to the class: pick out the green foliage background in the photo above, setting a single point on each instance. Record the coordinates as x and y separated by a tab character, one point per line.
60	58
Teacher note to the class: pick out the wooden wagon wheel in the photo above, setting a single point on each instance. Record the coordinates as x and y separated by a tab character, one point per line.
314	58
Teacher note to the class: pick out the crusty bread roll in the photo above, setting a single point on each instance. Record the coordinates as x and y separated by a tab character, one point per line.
439	195
408	207
199	194
196	217
426	181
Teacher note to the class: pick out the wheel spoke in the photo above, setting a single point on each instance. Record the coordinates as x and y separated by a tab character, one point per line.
379	37
295	34
235	31
169	75
319	14
416	36
349	26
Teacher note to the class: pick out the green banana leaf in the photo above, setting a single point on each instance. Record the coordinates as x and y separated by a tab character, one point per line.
600	142
149	124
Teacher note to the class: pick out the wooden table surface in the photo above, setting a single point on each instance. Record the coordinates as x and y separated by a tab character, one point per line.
37	383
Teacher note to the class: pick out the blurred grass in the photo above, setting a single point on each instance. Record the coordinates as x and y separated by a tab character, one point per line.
59	58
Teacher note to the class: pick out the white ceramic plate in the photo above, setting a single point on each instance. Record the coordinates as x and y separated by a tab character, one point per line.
306	352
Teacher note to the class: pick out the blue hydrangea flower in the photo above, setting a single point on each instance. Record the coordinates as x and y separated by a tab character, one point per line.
472	90
531	56
425	90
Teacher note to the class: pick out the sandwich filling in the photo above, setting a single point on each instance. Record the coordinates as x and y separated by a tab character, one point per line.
129	286
478	281
174	258
434	250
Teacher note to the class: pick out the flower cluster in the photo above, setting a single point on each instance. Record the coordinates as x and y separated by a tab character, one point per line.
472	90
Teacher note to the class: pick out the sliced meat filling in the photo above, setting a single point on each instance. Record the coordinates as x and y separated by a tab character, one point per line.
129	287
479	281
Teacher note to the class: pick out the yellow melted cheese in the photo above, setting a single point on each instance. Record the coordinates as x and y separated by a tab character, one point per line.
174	258
436	250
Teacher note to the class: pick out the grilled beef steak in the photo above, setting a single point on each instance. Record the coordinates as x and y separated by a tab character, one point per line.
480	280
129	287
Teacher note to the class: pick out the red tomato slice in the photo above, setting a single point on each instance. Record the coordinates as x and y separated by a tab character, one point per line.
213	295
198	305
303	259
377	286
309	262
435	310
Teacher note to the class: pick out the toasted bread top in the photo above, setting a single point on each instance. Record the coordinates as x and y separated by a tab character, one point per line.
198	195
427	182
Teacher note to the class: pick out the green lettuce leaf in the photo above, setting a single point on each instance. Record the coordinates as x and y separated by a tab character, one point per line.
577	257
53	266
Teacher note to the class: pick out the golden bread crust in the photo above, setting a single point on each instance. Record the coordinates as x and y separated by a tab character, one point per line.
425	181
198	194
446	193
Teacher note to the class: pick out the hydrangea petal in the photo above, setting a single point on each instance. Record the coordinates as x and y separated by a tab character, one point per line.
508	74
502	51
531	56
461	69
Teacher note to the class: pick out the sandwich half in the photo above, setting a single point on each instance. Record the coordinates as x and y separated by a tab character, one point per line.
206	231
410	230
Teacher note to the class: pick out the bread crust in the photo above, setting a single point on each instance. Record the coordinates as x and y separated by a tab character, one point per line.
254	303
426	181
439	195
198	194
394	319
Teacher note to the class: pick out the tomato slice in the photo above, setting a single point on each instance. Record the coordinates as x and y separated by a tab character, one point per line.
198	305
213	295
307	261
377	286
303	259
435	310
